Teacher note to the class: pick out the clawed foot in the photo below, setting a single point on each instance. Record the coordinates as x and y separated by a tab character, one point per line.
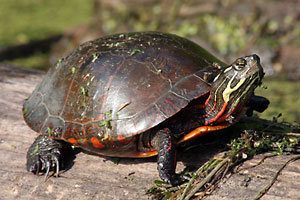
176	179
44	155
258	104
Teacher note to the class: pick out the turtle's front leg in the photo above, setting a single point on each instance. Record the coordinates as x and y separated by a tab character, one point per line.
258	104
45	154
165	144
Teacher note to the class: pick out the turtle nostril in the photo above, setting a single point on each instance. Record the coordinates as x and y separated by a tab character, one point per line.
255	57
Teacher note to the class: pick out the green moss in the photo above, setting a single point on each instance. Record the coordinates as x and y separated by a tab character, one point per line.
284	99
107	121
23	21
217	30
28	19
35	150
49	131
83	91
25	111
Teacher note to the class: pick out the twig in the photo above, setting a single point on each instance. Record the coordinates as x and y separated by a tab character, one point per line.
260	162
267	187
288	134
207	178
187	188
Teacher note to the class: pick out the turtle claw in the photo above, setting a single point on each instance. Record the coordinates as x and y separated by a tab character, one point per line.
53	163
57	165
48	170
177	179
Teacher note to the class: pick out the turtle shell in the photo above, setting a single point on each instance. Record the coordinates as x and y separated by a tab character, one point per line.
109	90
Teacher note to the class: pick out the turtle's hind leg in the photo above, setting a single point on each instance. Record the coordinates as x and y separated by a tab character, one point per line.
45	155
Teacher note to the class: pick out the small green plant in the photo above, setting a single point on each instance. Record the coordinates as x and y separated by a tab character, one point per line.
107	121
135	51
274	137
73	70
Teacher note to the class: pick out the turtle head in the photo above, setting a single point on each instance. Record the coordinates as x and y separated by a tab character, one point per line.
232	89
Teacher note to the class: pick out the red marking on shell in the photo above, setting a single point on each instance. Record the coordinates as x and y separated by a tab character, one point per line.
113	144
123	139
107	87
69	90
89	129
83	141
147	117
73	141
169	102
76	131
96	143
83	131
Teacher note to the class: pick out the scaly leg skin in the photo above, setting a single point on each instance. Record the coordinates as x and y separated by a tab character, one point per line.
45	154
258	104
165	144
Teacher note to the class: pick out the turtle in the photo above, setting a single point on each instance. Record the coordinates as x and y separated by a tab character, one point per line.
137	95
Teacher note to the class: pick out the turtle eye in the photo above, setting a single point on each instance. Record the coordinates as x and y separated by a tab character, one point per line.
239	64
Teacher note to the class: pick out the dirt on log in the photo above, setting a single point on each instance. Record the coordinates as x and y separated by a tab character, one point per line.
96	177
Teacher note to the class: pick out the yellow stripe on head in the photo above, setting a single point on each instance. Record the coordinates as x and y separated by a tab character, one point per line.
228	90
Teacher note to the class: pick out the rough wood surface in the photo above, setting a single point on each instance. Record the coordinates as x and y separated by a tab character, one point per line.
286	187
96	177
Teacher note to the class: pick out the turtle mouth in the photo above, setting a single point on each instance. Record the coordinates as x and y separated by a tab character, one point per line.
255	72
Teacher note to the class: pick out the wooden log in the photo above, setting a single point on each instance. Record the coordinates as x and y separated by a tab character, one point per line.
96	177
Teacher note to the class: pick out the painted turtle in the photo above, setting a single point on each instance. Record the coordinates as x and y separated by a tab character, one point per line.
137	95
